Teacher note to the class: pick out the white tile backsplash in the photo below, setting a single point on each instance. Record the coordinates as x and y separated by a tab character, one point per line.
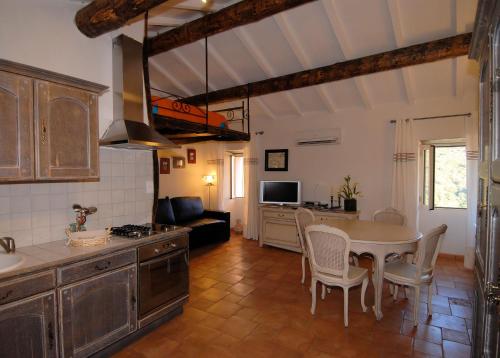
40	212
4	205
19	189
40	202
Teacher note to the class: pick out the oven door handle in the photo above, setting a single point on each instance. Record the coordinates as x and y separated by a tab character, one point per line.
163	258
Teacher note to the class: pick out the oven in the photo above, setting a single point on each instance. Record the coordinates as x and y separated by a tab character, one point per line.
163	276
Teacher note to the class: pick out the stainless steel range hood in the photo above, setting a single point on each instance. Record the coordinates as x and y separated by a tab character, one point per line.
128	129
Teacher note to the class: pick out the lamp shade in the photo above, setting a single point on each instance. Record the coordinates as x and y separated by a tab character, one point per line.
209	179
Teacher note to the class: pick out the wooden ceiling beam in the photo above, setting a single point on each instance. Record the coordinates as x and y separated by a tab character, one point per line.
407	56
101	16
241	13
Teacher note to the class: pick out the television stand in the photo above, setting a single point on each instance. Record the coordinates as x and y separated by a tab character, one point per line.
278	228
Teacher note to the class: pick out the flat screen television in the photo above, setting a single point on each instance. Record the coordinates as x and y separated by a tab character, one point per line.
280	192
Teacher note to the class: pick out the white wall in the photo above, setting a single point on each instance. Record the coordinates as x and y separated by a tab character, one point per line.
365	152
187	181
42	33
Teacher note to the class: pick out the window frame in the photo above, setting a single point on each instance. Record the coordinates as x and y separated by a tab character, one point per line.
231	176
430	147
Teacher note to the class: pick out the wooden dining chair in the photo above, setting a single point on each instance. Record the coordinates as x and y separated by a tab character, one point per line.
328	250
421	272
303	218
390	216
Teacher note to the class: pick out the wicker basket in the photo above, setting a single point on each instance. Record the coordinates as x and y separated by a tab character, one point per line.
88	238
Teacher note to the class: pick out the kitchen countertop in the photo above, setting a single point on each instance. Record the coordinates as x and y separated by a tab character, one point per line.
56	253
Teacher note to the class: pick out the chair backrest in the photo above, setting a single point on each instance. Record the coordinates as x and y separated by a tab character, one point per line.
328	249
390	216
303	218
428	250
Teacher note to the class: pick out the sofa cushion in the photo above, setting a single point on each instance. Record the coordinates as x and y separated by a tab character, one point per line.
187	208
203	222
165	212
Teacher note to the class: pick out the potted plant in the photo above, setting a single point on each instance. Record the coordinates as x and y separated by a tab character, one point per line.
349	192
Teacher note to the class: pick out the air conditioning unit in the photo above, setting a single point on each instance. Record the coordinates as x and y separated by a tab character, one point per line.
318	137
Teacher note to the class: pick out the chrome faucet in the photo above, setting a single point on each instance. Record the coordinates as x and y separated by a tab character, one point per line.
8	244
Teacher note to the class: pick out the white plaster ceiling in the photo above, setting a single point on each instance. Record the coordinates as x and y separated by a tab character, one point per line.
316	34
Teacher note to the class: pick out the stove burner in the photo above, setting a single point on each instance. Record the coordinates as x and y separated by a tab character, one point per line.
132	231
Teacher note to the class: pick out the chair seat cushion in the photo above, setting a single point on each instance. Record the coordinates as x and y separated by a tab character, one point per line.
403	272
354	276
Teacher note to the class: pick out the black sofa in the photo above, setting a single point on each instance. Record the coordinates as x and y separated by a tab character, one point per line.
208	226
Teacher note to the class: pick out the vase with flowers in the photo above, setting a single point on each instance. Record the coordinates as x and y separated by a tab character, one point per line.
349	192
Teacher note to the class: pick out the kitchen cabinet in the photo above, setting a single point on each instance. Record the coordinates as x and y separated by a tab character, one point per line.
49	126
16	128
97	312
278	227
66	131
28	328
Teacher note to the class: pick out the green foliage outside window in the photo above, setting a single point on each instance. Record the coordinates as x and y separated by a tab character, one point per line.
450	184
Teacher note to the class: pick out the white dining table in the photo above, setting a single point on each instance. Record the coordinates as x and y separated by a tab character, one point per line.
378	239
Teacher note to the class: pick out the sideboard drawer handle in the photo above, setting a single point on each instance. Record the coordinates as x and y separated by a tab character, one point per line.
103	266
7	294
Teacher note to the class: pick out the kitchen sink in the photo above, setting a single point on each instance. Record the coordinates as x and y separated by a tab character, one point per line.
10	261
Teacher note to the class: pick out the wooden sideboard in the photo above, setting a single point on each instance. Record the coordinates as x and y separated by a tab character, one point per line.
278	228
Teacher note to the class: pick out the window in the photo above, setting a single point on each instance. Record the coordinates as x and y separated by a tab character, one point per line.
237	176
444	176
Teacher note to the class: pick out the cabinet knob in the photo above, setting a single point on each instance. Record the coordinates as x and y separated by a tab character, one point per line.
7	294
50	333
44	132
103	266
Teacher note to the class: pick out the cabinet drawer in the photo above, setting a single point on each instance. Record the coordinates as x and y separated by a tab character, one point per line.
18	288
89	268
330	219
280	232
278	215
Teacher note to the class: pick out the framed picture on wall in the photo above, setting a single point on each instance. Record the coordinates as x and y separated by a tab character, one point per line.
164	165
178	162
191	154
276	160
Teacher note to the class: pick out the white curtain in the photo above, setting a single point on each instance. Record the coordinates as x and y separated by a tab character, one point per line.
216	158
250	210
472	145
404	178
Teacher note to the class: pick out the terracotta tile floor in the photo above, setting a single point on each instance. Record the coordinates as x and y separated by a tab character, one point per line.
247	301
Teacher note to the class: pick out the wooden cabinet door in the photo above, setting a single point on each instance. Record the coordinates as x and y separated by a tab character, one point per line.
28	328
281	232
66	133
97	312
16	128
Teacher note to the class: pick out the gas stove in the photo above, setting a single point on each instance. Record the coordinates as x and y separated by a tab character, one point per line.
133	231
136	232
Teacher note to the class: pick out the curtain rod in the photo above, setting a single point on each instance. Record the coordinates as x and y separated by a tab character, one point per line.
434	117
